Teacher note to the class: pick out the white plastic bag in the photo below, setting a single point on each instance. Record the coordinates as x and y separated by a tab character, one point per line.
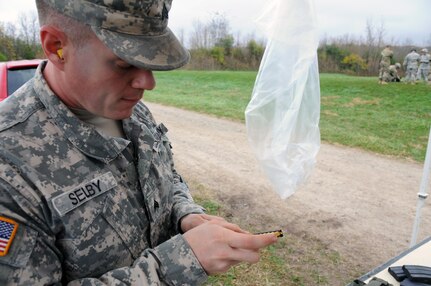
283	114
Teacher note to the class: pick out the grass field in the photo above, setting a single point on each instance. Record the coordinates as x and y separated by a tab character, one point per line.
391	119
355	111
295	260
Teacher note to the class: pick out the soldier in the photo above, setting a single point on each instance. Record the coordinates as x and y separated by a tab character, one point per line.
385	62
424	65
411	66
392	74
88	190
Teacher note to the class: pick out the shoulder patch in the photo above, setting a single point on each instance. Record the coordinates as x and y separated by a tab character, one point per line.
8	230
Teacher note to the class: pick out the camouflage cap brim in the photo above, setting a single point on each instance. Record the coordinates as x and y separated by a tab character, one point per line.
135	30
162	52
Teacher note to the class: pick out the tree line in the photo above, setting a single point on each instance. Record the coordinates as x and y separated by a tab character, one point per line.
360	56
20	40
213	46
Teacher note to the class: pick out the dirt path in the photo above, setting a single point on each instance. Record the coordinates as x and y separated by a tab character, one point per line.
361	204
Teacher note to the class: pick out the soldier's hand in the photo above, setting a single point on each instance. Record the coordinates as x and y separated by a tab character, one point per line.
192	220
218	246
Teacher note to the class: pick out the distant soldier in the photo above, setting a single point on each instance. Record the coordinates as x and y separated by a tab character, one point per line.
424	65
411	66
392	74
385	62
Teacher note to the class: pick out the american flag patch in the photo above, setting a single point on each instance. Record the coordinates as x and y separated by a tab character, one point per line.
8	229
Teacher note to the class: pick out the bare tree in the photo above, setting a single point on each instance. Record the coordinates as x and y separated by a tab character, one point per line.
200	37
29	28
20	40
11	30
7	36
374	43
181	36
218	28
207	35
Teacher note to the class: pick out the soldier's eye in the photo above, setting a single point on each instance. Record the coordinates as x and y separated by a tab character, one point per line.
123	65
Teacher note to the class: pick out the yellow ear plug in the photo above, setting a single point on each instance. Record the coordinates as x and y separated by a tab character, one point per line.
60	53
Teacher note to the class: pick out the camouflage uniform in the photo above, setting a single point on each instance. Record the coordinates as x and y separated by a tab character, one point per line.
88	212
392	74
385	62
424	65
411	66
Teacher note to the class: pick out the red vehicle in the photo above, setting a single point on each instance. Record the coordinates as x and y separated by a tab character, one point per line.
14	74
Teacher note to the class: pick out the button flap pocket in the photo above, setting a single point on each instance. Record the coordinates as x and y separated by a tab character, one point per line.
124	220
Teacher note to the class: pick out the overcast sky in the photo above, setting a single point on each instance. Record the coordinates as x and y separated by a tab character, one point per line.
403	20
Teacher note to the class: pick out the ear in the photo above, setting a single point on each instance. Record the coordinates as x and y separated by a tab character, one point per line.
54	45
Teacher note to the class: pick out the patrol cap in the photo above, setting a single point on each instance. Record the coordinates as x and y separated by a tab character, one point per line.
135	30
398	65
424	50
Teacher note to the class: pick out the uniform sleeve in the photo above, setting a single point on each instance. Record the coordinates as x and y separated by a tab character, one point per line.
183	201
34	258
170	263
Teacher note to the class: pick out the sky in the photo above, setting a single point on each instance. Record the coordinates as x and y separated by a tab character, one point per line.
404	21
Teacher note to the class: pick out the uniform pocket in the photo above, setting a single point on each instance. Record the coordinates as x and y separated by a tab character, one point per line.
107	237
124	220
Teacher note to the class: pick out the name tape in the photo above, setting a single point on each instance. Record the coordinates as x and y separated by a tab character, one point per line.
77	196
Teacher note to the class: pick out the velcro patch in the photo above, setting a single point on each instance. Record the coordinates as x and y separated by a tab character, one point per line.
78	195
8	230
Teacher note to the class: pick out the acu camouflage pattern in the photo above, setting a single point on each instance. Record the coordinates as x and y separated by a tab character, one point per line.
387	55
411	66
424	65
385	61
135	30
392	74
126	235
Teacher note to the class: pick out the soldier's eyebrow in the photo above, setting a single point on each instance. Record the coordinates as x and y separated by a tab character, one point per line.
119	63
122	64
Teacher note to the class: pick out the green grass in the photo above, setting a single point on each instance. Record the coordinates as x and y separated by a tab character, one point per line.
295	260
391	119
224	94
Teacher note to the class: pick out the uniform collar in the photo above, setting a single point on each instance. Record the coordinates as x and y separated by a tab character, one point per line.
81	135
